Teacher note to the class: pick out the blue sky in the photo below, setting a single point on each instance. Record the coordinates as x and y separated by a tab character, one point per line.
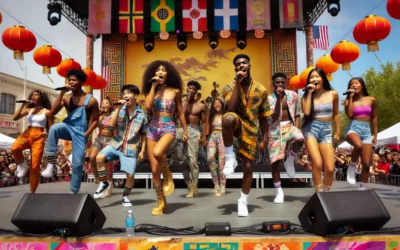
352	11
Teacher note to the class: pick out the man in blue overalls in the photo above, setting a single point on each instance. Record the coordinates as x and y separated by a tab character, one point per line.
81	108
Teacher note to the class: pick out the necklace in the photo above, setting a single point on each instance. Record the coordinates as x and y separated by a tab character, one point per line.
76	99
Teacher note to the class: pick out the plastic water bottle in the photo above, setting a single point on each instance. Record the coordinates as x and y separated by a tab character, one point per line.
130	224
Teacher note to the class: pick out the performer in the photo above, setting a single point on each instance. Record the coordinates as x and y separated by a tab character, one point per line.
246	100
362	110
162	87
131	131
81	108
282	131
320	106
215	147
38	110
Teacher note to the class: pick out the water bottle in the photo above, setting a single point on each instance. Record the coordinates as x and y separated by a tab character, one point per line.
130	224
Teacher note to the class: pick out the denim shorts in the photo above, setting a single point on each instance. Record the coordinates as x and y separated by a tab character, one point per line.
128	164
320	130
362	129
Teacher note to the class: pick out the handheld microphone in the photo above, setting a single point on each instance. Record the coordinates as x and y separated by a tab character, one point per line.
61	88
237	77
309	87
348	93
117	103
23	101
154	80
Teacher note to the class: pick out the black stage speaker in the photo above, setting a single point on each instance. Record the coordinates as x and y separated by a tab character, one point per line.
77	214
328	213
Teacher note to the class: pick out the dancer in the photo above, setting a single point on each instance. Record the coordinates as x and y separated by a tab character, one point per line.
362	110
131	131
81	108
215	147
246	101
282	131
320	106
38	110
162	86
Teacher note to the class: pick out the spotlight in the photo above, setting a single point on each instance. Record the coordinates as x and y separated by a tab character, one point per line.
333	7
181	41
241	39
54	14
213	40
148	41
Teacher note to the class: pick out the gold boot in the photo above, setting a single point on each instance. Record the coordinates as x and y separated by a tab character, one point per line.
190	191
195	191
318	188
221	192
161	202
168	182
216	188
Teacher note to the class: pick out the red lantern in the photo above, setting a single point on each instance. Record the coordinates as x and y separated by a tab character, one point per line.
100	83
344	53
304	76
327	65
393	8
19	40
66	65
47	57
295	82
371	30
90	77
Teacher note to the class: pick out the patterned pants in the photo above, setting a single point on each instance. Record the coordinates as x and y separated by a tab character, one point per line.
216	144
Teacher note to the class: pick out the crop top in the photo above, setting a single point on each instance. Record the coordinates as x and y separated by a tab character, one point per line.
362	111
104	123
217	122
163	105
323	109
38	120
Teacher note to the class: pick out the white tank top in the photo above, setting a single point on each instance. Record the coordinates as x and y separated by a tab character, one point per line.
39	120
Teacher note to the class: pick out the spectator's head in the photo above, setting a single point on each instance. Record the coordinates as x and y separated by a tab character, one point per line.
389	157
106	106
395	156
383	158
375	158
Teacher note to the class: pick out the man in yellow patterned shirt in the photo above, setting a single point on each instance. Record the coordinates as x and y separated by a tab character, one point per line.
247	110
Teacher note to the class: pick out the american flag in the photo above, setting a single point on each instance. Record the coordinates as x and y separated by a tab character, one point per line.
320	36
106	73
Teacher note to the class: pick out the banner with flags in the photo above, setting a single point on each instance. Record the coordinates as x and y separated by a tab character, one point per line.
194	13
130	16
291	13
162	15
258	15
320	37
226	15
99	17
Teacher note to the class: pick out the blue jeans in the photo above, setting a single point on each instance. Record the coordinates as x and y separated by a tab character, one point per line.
361	128
66	132
320	130
128	164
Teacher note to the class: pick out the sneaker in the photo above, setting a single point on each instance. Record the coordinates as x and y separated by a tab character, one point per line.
22	169
71	192
101	190
351	175
242	208
289	165
48	172
126	202
280	197
230	164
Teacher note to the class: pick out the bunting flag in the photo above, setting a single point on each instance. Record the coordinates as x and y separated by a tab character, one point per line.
258	15
291	13
194	15
99	17
226	15
162	15
131	16
320	37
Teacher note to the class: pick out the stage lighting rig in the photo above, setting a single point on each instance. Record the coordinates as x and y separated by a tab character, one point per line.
241	39
148	41
181	41
333	7
54	14
213	40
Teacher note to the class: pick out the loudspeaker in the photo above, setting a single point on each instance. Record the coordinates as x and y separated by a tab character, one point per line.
77	214
328	213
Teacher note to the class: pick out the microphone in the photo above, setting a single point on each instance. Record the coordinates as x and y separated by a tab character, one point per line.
23	101
154	80
61	88
309	87
117	103
237	77
348	93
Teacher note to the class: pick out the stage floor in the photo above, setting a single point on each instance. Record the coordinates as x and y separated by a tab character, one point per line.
183	212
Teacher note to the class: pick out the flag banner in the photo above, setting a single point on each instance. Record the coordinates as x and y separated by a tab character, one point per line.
258	14
226	15
162	16
131	16
320	37
194	14
99	17
291	13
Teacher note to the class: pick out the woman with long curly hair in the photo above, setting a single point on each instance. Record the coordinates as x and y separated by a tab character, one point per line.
162	87
320	105
362	110
38	110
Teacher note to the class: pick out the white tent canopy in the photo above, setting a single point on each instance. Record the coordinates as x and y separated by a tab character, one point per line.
6	141
388	136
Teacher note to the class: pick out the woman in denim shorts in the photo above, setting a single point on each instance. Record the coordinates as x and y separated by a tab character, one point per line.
320	106
362	110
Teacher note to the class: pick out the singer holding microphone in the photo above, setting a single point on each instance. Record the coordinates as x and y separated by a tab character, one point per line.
162	87
38	110
362	110
320	105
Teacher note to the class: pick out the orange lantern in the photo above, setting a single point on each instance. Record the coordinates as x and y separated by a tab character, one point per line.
100	83
327	65
304	76
19	40
393	8
295	82
344	53
66	65
90	77
47	57
371	30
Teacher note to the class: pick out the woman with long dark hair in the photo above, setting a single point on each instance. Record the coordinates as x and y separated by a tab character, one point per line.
216	145
38	110
320	105
162	87
362	110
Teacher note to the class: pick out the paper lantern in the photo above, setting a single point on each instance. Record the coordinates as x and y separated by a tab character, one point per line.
259	34
164	35
327	65
100	83
47	57
198	35
344	53
393	8
225	33
304	76
132	37
371	30
295	82
19	40
90	77
66	65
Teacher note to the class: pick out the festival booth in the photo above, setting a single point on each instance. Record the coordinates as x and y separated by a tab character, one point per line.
6	141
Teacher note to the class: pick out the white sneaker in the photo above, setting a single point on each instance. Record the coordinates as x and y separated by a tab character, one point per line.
22	169
289	165
48	172
126	202
230	164
351	175
242	208
101	190
280	197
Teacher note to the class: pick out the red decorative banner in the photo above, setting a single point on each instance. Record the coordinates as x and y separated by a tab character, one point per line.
131	16
99	17
291	13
